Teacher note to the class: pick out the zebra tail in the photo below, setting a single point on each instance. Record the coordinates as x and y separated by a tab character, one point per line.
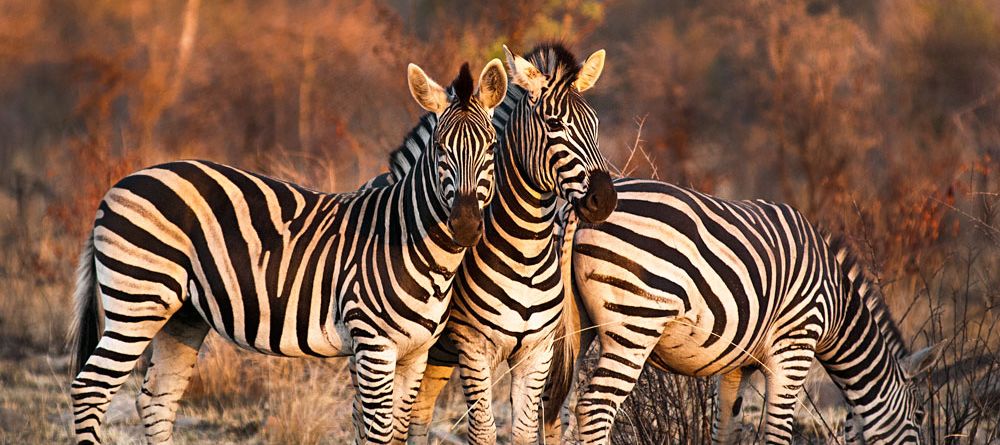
566	345
85	328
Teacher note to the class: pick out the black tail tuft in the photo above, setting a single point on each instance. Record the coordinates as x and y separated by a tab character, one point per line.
85	330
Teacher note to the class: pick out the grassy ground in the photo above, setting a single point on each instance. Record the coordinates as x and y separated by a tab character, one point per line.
236	397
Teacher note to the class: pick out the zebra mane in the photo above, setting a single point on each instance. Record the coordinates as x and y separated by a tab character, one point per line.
403	158
859	281
552	58
461	87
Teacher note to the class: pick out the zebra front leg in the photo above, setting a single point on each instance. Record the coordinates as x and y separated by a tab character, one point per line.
729	406
476	371
435	379
787	373
373	369
529	369
409	374
612	380
175	351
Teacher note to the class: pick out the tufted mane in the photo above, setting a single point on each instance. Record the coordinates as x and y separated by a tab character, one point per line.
461	87
553	58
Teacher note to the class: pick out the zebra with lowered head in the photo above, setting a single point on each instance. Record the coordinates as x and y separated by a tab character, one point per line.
184	247
508	292
703	286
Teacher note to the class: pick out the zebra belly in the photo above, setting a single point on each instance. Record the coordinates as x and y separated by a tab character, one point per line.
681	350
288	339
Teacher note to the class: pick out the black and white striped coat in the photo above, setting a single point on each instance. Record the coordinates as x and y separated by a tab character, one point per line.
508	292
184	247
703	286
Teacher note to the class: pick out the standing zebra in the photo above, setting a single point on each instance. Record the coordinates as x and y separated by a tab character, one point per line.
508	292
703	286
182	247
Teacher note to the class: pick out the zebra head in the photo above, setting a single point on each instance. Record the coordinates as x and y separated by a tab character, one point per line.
900	416
914	365
462	143
560	152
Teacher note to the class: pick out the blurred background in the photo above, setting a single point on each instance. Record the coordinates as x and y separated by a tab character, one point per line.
874	117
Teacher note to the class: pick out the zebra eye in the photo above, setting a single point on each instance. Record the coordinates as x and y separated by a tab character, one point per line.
490	148
919	416
554	123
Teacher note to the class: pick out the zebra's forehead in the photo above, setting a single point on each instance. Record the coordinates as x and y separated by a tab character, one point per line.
465	122
567	101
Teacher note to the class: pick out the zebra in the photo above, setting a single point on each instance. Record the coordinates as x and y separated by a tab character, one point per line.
703	286
273	267
508	292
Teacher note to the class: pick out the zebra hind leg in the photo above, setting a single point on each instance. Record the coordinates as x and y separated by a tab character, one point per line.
175	351
125	338
617	371
435	379
529	371
729	406
787	373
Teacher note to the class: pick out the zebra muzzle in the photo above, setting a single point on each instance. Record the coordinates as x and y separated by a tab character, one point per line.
466	220
600	200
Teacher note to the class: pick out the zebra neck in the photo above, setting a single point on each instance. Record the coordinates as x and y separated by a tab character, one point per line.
519	213
418	201
863	365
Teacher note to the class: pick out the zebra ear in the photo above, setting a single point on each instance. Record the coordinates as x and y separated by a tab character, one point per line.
524	74
920	361
492	84
425	90
590	71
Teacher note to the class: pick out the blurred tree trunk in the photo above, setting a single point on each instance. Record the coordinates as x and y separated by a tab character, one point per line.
306	88
163	92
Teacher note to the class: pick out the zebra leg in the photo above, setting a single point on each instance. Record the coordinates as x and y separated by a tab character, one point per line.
729	405
175	351
435	379
853	428
528	373
129	327
373	368
612	380
409	374
476	370
788	371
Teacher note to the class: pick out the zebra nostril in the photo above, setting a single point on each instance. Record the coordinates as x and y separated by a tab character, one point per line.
466	220
600	199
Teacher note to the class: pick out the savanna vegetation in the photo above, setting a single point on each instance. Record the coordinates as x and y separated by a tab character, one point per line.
877	118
